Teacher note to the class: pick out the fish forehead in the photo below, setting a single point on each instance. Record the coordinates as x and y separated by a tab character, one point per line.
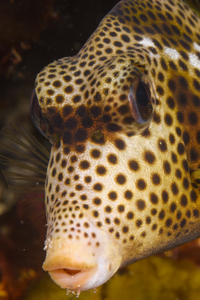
134	186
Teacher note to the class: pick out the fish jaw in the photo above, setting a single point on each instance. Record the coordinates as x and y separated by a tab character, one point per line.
79	266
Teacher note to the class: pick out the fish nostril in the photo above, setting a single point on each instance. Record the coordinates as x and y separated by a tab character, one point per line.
71	272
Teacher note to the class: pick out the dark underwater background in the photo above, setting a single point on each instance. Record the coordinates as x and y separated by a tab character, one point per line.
34	33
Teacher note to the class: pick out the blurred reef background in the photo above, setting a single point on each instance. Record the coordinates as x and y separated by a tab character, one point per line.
34	33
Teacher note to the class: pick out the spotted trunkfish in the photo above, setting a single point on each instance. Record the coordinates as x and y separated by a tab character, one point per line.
123	118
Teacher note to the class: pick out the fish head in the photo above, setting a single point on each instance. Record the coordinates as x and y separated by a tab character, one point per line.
118	186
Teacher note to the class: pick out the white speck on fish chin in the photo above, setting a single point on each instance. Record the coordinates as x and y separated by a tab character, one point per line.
196	46
194	60
173	53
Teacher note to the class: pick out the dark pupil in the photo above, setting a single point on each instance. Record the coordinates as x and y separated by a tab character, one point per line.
141	94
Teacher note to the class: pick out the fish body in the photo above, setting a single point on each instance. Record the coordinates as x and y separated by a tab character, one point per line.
124	122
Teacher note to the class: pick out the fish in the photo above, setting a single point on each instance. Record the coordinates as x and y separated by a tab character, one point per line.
123	119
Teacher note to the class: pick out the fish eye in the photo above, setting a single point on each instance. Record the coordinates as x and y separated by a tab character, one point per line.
143	94
36	114
141	101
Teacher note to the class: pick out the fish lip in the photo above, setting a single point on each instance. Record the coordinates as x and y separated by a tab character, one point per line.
70	274
84	278
93	265
79	275
60	263
80	281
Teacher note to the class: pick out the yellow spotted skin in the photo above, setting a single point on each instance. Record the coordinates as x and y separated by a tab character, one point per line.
130	181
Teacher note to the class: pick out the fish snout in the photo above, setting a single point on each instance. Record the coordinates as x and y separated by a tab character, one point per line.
78	266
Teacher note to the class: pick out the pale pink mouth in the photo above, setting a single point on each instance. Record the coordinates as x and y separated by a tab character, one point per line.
79	265
73	279
69	270
78	270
